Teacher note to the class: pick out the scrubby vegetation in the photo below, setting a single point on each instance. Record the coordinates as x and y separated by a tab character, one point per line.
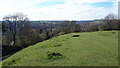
54	55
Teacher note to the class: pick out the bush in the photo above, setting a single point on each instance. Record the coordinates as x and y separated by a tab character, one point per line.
54	55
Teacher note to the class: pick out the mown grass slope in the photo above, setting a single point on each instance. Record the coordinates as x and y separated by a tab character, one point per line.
89	49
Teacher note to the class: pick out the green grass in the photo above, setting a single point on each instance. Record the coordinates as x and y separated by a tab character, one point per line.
0	64
89	49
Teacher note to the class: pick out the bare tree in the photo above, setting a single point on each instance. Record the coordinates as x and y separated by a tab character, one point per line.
14	20
110	22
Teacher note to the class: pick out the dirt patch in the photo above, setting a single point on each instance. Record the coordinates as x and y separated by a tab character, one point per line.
75	35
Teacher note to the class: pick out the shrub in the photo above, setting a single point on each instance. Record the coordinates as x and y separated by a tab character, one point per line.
54	55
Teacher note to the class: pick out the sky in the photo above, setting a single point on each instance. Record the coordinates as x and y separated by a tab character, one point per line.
60	9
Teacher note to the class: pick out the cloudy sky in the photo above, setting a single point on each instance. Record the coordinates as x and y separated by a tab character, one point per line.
60	9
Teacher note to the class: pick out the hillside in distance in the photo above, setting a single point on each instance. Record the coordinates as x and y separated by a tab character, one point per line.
89	49
60	21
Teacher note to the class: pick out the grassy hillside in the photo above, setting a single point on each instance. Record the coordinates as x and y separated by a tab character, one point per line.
0	64
89	49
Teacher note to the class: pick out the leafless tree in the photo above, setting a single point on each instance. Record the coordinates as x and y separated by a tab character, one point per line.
14	20
110	22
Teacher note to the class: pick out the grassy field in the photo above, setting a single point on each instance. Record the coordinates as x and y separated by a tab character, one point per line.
89	49
0	64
